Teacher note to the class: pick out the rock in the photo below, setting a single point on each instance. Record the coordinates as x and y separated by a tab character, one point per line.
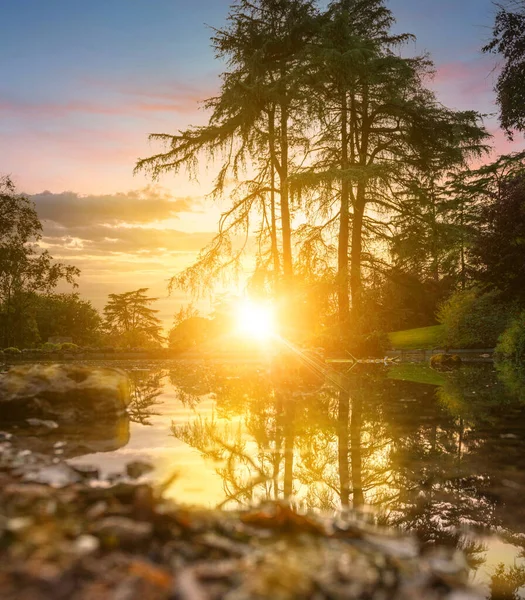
58	475
86	544
42	423
86	471
63	393
122	531
19	524
137	468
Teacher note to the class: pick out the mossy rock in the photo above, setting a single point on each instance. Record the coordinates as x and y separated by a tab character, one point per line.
445	361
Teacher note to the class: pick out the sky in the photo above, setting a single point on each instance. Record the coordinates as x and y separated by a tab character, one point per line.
83	84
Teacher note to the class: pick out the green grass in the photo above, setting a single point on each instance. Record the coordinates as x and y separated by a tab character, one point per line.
423	337
416	373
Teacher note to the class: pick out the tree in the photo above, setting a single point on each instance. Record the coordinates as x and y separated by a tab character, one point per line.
509	41
189	329
130	320
332	121
499	251
66	315
381	130
256	120
25	269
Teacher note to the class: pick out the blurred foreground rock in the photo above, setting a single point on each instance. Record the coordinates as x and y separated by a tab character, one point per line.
65	534
63	393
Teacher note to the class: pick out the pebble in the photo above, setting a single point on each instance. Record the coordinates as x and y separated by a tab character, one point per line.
19	524
86	545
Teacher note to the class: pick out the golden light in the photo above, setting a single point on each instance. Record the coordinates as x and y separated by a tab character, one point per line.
255	320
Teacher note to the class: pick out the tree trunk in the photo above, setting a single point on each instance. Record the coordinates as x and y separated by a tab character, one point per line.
289	443
344	217
343	447
359	209
285	204
355	452
355	255
273	223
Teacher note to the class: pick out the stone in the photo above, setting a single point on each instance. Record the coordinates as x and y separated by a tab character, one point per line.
58	475
42	423
86	545
63	393
137	468
86	471
124	531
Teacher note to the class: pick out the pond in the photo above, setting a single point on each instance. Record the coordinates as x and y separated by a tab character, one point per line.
438	454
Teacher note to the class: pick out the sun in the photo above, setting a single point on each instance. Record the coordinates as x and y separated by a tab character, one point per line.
255	320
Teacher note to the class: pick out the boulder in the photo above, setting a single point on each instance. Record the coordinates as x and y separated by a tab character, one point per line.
63	393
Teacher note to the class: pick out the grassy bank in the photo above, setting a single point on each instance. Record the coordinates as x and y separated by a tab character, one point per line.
422	337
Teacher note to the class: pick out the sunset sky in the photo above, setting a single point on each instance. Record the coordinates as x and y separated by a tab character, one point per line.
83	83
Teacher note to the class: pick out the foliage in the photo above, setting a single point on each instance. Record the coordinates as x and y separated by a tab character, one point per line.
50	347
499	250
331	120
422	337
66	315
25	269
445	361
69	347
509	41
473	319
189	333
11	350
506	582
130	321
511	345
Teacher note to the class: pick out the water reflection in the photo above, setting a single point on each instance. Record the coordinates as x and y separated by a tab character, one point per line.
145	388
438	454
438	460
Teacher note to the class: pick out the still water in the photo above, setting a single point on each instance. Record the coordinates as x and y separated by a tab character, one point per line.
439	454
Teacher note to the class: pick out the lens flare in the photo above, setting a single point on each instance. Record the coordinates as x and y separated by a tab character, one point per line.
255	320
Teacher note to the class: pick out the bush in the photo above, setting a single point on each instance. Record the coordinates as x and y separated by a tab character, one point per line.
473	319
69	347
11	350
445	361
49	347
511	345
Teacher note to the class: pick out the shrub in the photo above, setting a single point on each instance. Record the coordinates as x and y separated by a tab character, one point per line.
11	350
473	319
69	347
445	361
511	345
49	347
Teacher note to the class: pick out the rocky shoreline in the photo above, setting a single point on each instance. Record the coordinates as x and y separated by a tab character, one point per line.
65	533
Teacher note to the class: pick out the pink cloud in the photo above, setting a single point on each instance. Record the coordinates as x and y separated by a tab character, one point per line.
467	78
179	104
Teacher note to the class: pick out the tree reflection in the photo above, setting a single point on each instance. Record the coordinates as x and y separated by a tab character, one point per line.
145	387
429	459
